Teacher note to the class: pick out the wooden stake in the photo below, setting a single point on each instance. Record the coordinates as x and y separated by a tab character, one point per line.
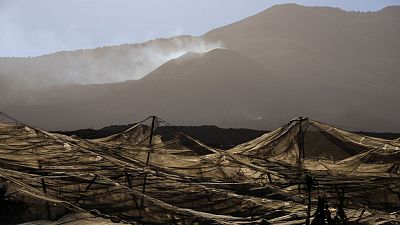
301	144
128	180
269	178
47	203
148	159
87	188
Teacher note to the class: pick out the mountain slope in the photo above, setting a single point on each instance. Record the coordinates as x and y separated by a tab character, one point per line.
288	61
92	66
196	88
347	49
357	55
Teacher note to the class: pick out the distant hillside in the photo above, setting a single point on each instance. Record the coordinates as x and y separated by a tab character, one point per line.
195	88
91	66
339	66
212	136
288	61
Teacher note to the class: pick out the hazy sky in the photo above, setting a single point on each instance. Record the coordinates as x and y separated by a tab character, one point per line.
36	27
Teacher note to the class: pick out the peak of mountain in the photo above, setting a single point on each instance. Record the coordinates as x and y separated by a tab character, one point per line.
344	48
293	19
286	61
394	10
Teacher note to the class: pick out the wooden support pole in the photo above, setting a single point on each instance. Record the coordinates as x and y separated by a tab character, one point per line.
47	203
309	181
308	208
128	180
148	158
87	188
90	184
301	145
341	214
44	185
269	178
151	140
301	154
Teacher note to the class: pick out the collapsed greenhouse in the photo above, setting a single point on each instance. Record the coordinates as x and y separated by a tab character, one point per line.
303	172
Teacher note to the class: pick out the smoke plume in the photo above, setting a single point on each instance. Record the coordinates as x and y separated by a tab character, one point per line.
110	64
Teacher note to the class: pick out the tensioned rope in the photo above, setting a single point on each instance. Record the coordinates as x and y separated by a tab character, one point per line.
11	118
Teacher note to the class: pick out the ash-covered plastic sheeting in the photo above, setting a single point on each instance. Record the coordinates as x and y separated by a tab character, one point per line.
322	144
51	175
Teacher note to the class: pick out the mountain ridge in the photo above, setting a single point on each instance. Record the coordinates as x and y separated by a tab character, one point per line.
278	65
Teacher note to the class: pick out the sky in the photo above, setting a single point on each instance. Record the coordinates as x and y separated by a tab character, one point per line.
37	27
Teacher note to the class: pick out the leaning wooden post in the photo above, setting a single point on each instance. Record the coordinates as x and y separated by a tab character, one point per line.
269	178
301	155
340	212
128	180
309	180
87	188
47	203
148	158
301	144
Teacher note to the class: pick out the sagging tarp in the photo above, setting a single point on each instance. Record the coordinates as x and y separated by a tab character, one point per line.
52	174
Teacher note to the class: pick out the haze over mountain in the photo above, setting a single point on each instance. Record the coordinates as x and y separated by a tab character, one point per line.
290	60
93	66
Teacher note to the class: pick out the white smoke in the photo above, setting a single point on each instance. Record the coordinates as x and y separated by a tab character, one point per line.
130	62
151	57
94	66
